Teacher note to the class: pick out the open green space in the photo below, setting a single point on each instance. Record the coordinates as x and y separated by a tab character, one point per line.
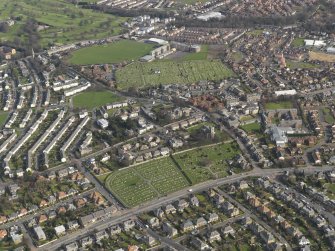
144	182
123	50
328	116
255	32
167	72
300	65
197	55
66	22
3	118
279	105
207	162
252	128
92	99
298	42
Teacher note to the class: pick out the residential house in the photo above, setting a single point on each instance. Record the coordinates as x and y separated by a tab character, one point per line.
86	241
200	222
212	217
100	235
128	225
40	235
153	222
187	226
194	201
199	244
114	230
72	225
169	230
213	236
228	230
169	209
181	205
73	246
60	230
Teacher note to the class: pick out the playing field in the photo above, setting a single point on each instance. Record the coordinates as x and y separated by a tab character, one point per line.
123	50
92	99
146	181
207	162
279	105
66	22
167	72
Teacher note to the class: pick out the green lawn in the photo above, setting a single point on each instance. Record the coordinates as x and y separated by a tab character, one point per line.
279	105
3	118
146	181
123	50
197	56
167	72
298	42
252	128
331	188
302	65
93	99
207	162
67	23
328	116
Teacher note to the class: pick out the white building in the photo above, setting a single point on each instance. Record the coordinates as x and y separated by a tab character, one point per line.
103	123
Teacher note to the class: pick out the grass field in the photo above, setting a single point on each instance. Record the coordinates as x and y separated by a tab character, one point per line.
146	181
167	72
206	163
3	118
303	65
92	99
328	116
123	50
278	105
197	56
67	23
252	128
298	42
320	56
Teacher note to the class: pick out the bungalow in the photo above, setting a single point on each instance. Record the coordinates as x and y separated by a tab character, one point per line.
86	220
226	206
43	203
3	219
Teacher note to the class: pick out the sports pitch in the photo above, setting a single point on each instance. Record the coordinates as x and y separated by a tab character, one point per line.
123	50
